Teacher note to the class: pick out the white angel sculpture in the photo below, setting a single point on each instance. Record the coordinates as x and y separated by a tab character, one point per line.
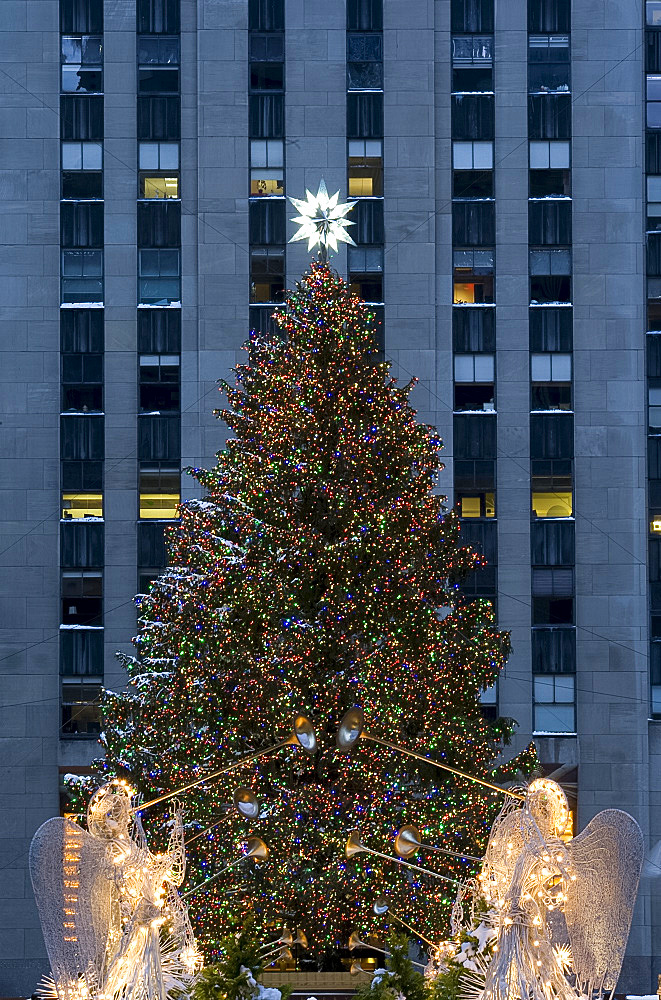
114	925
548	896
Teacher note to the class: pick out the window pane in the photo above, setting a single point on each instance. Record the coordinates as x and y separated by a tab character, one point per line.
654	114
149	156
540	367
653	13
539	155
564	688
168	155
561	367
463	155
654	188
554	719
544	688
484	368
274	153
654	88
463	368
559	155
92	156
483	155
72	157
552	504
258	153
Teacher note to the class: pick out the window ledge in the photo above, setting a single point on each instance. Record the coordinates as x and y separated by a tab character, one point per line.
94	628
552	197
82	305
543	732
80	736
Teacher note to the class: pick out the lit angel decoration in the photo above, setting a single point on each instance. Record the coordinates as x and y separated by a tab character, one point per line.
322	220
561	909
114	925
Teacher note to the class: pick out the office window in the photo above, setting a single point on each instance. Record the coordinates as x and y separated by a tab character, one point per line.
551	436
550	276
159	382
159	438
367	217
267	222
160	495
552	543
261	322
654	409
159	276
81	225
82	381
654	202
82	276
266	116
364	115
81	438
653	260
553	651
653	101
364	61
81	118
473	117
81	330
481	537
548	63
473	223
653	341
158	80
266	167
267	76
151	544
549	222
655	678
81	505
267	274
81	17
472	15
472	155
267	47
82	475
553	704
476	504
548	15
159	224
159	331
474	382
82	64
552	581
472	184
79	184
550	329
80	699
82	600
551	610
162	156
159	118
158	185
474	478
158	50
549	116
473	272
550	183
471	61
81	652
365	168
364	15
158	16
474	437
551	484
551	381
81	545
266	15
82	156
365	268
653	51
473	330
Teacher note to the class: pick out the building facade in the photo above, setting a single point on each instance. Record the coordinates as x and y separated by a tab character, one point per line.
499	155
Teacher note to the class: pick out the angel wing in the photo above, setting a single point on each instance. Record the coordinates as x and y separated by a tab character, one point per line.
76	903
606	860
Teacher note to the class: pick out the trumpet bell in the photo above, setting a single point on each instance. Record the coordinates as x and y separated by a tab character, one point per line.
356	969
286	937
355	942
354	845
304	734
380	906
256	848
350	729
301	939
407	841
246	803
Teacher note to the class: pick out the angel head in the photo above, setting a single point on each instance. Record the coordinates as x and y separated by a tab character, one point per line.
109	811
547	804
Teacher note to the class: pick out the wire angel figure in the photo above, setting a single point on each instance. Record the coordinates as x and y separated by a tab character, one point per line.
114	925
562	910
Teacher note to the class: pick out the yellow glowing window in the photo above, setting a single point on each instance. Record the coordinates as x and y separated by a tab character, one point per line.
266	182
480	505
82	505
160	187
552	504
655	526
463	292
161	506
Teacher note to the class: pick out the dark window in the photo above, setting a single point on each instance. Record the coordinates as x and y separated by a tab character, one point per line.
81	476
81	330
473	330
548	15
82	275
472	116
472	183
267	222
159	382
654	355
550	330
546	183
552	543
81	225
159	276
81	545
552	610
472	15
548	62
365	267
266	15
268	47
267	274
158	81
553	651
474	437
473	223
654	255
267	76
82	64
151	544
261	321
82	381
159	118
473	80
267	116
81	438
158	16
82	597
364	115
551	436
474	475
653	152
81	651
549	116
655	574
82	184
80	699
368	219
364	15
158	50
364	61
653	51
81	17
549	222
552	581
159	438
146	577
159	224
482	538
159	331
550	288
655	678
81	118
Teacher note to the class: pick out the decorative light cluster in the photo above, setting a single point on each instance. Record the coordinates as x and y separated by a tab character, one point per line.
308	580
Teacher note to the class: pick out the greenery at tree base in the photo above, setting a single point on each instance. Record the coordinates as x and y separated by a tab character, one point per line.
235	975
399	976
320	571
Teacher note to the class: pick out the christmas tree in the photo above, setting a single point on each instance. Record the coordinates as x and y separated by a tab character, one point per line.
320	571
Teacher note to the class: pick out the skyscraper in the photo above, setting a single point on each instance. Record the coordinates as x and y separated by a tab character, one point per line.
499	155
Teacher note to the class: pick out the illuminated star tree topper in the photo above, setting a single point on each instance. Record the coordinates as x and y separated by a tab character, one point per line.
322	220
